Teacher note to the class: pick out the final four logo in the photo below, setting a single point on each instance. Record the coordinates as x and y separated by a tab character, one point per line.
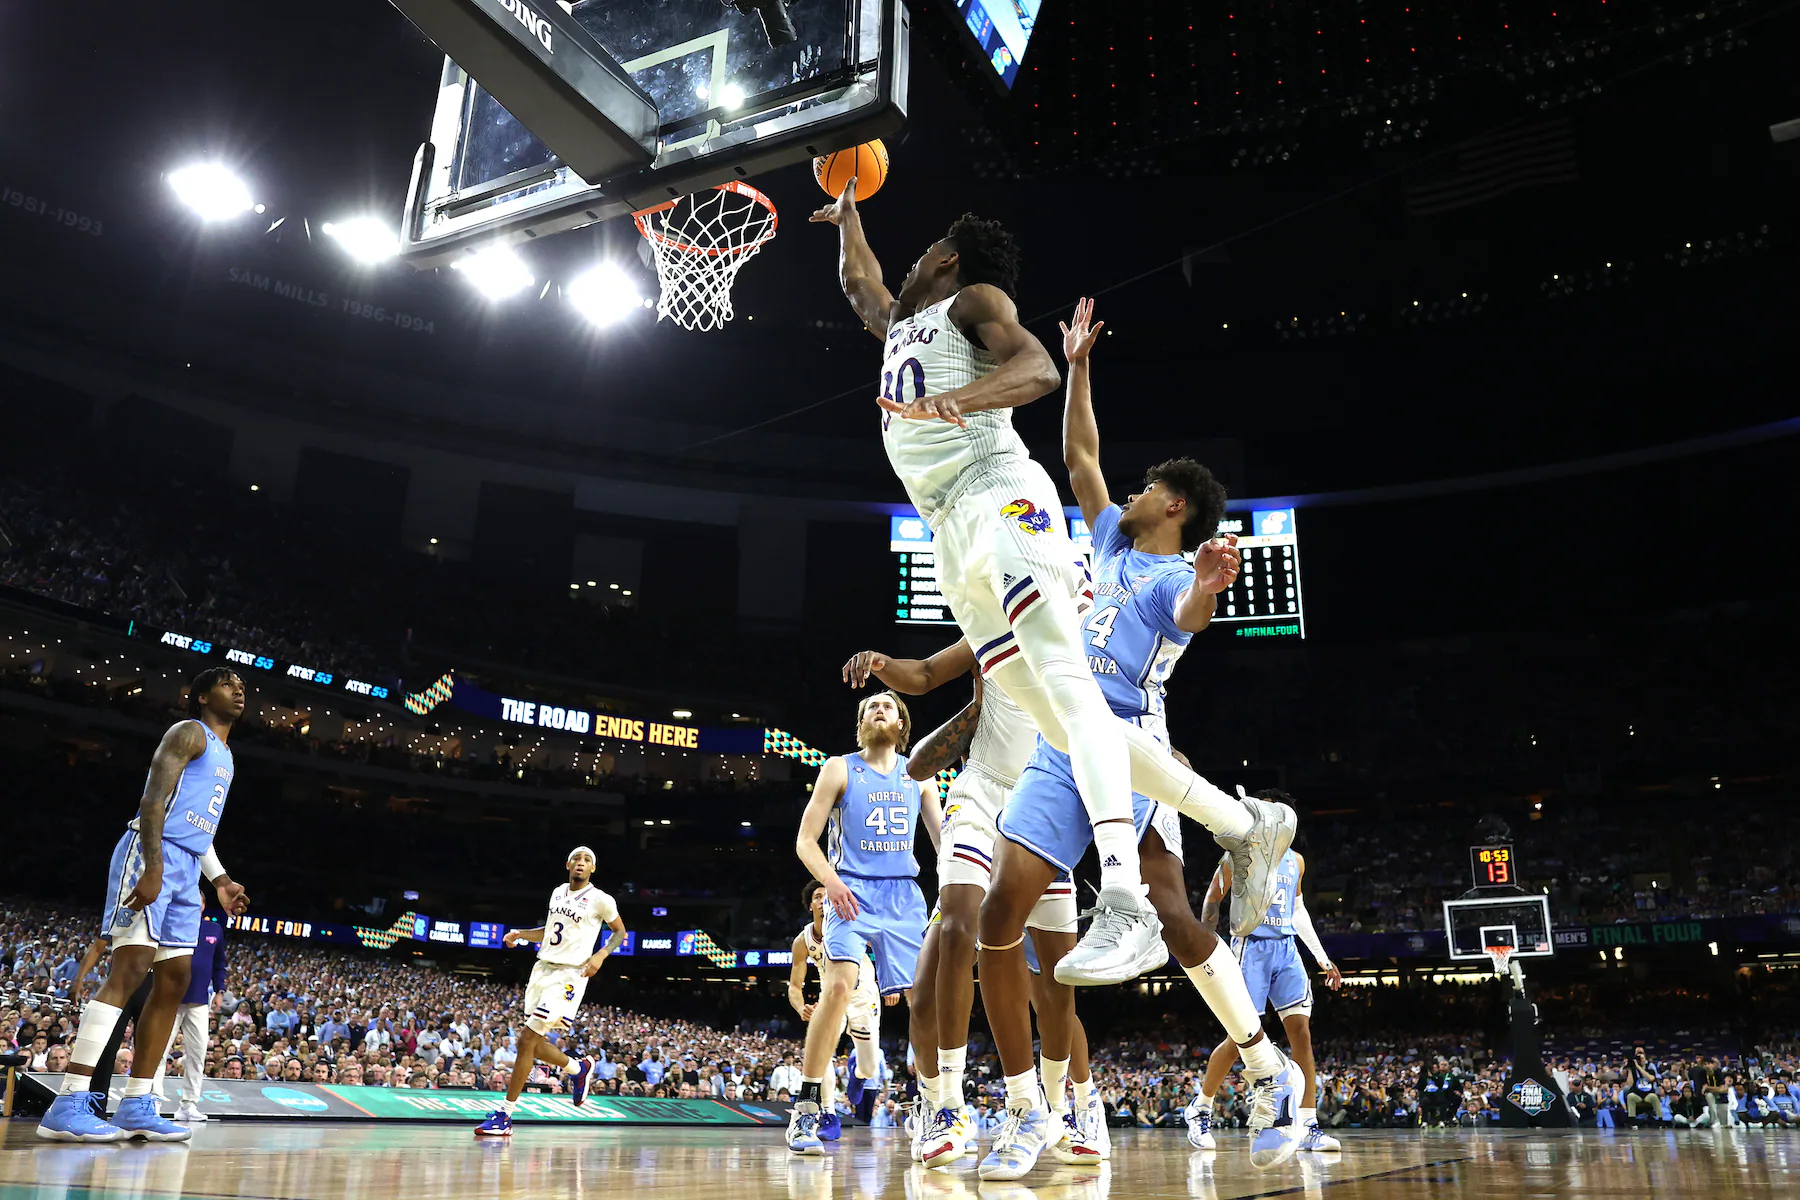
1030	517
1530	1096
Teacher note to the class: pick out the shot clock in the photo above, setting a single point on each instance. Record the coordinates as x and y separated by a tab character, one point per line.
1493	866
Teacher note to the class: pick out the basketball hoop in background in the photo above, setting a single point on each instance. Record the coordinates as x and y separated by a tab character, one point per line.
1505	966
699	243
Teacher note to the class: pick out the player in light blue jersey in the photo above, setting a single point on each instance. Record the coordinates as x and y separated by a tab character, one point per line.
1276	977
153	914
1147	603
869	811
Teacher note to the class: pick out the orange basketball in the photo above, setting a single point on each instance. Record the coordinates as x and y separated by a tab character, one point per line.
867	164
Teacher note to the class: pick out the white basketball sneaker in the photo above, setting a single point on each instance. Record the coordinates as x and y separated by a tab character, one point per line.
1123	940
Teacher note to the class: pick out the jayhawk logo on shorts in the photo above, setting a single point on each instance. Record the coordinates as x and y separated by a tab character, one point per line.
1030	517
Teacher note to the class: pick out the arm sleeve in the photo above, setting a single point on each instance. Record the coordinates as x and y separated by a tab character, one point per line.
210	866
1304	927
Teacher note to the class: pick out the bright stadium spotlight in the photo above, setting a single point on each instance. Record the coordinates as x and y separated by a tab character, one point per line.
731	96
496	272
366	239
605	294
211	191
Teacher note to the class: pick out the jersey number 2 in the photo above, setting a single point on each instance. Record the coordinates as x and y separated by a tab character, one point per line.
1100	626
889	820
218	800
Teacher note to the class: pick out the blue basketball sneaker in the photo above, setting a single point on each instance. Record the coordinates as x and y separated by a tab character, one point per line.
498	1124
138	1117
803	1130
830	1127
1022	1138
584	1074
72	1118
1278	1134
853	1088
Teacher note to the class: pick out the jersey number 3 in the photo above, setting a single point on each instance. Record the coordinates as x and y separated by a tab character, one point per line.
888	820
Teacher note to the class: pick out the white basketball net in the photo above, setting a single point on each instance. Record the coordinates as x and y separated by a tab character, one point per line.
700	242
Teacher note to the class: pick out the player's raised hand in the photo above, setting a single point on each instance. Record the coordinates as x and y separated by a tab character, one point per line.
943	407
842	899
1216	565
844	206
862	664
1078	338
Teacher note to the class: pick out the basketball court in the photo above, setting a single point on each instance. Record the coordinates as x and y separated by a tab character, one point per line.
283	1161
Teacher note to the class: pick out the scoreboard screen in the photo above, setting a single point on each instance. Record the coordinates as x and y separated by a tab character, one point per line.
1264	602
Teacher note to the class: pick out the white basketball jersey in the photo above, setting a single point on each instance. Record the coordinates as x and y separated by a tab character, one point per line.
574	925
927	355
1004	737
815	953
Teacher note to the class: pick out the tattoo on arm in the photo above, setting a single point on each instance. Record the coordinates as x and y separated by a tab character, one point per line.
182	744
945	745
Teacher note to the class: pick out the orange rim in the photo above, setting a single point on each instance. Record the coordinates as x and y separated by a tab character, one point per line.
742	189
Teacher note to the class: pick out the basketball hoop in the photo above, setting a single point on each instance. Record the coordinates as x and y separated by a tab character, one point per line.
1502	958
700	242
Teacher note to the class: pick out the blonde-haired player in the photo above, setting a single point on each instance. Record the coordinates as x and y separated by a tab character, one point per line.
862	1019
566	961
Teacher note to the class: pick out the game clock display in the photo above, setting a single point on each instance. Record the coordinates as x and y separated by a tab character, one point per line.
1493	866
1263	602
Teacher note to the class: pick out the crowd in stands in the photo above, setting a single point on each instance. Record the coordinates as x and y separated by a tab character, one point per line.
299	1013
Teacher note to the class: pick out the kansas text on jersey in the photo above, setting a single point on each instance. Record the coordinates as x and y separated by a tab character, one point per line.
927	355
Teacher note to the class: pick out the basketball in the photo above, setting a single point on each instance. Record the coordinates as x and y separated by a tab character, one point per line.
867	164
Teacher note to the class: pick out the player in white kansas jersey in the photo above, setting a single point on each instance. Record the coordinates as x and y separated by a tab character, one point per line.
566	960
957	362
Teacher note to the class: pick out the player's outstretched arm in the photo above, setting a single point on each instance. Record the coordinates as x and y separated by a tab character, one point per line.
1216	567
515	936
948	744
615	937
1026	370
911	676
1215	896
181	745
1309	936
1081	433
931	812
797	979
833	778
858	270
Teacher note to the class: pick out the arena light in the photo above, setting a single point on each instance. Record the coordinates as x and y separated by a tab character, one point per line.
731	96
212	191
366	239
605	294
496	272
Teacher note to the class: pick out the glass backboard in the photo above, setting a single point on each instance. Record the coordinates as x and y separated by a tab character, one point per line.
729	105
1473	924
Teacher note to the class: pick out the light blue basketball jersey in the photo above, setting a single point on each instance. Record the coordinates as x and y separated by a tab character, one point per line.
1279	920
1132	640
871	828
193	809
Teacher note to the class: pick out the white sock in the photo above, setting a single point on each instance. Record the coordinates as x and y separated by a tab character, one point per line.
507	1106
1084	1092
1022	1091
1116	842
1220	982
1156	774
951	1066
136	1087
828	1092
1056	1074
930	1088
98	1021
1208	1099
1308	1117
